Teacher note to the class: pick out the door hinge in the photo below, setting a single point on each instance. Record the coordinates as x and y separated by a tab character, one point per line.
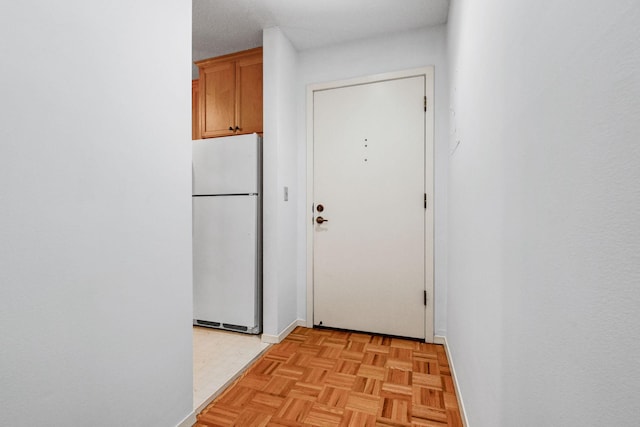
425	298
425	103
425	200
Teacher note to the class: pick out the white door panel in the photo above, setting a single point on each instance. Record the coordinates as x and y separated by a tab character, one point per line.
225	259
229	165
369	176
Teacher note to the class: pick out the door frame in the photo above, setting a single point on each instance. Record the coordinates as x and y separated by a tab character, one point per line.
428	73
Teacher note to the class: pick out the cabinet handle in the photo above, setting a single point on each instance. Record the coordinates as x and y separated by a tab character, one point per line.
230	128
237	128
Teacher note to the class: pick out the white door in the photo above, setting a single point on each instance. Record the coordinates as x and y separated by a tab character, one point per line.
225	261
369	186
227	165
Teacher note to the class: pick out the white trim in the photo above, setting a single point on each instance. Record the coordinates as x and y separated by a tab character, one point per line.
428	72
189	421
275	339
440	339
310	201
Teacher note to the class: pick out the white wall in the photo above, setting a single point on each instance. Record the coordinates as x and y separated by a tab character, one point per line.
544	260
373	56
95	222
280	154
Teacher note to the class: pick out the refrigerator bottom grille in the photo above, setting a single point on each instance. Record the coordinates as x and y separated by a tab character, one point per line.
235	327
207	323
227	326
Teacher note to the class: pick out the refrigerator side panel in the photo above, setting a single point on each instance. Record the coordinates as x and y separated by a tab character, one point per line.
227	165
226	265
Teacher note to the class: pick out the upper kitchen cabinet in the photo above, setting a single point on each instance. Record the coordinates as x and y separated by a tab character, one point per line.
230	92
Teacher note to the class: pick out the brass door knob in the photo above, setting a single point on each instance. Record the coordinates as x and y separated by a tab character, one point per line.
320	220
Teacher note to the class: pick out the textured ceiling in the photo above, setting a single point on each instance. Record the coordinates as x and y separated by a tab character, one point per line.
225	26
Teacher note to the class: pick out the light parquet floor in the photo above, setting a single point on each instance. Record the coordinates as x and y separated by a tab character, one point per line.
319	377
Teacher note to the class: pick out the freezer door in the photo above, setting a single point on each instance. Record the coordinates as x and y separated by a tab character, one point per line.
225	260
229	165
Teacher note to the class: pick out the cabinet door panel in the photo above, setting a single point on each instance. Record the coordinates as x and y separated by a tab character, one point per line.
217	91
249	94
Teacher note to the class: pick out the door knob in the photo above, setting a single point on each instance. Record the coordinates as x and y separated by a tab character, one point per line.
320	220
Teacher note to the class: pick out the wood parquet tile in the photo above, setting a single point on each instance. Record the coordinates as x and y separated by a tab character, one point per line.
324	378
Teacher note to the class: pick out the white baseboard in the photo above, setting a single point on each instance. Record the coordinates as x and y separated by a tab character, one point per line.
441	339
189	420
275	339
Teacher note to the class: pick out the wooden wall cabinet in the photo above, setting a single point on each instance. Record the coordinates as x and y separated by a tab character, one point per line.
230	92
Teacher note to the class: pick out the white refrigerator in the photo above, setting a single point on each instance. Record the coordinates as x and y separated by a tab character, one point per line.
227	243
